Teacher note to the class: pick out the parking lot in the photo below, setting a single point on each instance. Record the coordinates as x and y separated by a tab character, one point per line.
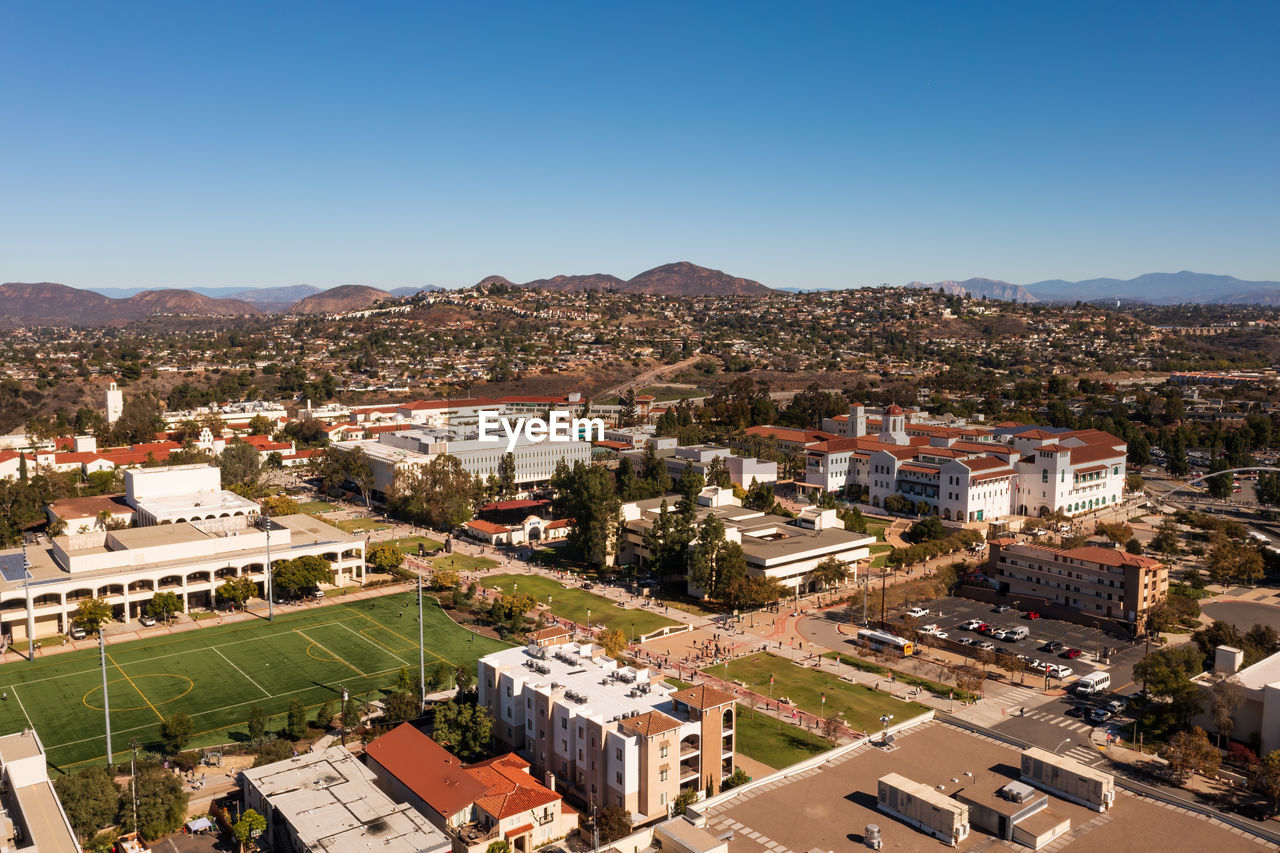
949	613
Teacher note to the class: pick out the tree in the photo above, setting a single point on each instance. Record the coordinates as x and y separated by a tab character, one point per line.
1267	780
499	846
613	822
261	425
350	713
753	591
162	804
464	728
324	716
359	471
926	530
1166	539
248	827
163	605
507	475
586	495
830	572
280	505
1190	752
685	799
175	731
1167	675
439	494
715	563
90	799
401	706
1233	562
234	592
240	465
300	575
1225	697
296	724
257	724
91	613
384	558
613	641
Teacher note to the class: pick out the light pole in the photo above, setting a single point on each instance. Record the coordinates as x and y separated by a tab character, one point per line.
271	607
588	620
1059	746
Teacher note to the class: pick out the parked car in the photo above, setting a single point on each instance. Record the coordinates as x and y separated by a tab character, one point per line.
1003	608
970	625
1054	647
1071	654
984	628
917	613
1033	614
967	641
1077	710
931	628
941	635
1116	706
986	646
146	621
1098	716
75	632
998	634
1059	671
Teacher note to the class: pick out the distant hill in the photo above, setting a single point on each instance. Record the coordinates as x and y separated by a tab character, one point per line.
978	288
678	279
1161	288
52	303
411	291
348	297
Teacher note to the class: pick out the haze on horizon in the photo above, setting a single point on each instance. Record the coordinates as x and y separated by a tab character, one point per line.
815	146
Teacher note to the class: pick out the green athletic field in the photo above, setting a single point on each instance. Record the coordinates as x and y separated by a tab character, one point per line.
216	674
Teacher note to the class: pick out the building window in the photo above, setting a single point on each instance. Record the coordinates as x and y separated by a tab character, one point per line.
662	775
662	751
617	753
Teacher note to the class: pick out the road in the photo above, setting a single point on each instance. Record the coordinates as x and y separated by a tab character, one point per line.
648	377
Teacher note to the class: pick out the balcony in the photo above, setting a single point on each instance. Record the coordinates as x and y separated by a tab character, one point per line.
687	750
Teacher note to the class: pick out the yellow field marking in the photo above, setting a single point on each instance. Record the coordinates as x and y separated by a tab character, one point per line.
342	661
330	659
191	685
135	687
412	644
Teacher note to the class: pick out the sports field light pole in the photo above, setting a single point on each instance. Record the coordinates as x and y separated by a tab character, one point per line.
31	613
106	704
422	655
271	608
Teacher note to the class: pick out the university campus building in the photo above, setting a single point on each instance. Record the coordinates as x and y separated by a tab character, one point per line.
191	537
606	734
786	549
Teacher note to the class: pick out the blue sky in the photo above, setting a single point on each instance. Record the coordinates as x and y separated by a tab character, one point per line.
800	144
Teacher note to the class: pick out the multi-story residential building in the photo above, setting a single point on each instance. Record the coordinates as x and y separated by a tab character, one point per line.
31	815
187	544
785	549
607	734
1089	581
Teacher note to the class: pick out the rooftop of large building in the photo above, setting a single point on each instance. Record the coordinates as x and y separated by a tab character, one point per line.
330	800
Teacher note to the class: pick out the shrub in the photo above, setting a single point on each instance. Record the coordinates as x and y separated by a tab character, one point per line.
1238	753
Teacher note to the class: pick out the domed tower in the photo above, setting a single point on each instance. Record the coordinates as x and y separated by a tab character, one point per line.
893	426
115	403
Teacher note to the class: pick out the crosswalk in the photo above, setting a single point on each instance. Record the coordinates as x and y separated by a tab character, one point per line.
1017	697
1062	722
1083	754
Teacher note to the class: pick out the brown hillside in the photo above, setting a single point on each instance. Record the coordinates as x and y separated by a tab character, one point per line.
348	297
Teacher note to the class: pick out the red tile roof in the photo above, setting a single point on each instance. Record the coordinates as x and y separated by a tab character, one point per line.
426	768
487	526
702	696
650	723
510	790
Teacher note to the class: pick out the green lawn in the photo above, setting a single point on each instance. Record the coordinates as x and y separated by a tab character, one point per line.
462	563
860	706
360	525
778	745
573	603
313	507
216	674
409	544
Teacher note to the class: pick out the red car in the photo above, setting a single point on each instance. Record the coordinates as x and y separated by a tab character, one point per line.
1072	654
984	628
1032	614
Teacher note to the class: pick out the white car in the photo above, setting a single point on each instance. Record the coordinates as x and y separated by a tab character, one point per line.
941	635
999	634
931	628
917	613
970	625
1059	671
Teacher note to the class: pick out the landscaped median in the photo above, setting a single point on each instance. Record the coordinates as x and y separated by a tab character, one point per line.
936	688
859	706
572	603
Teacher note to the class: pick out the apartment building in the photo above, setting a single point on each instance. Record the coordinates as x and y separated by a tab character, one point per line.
607	734
186	544
1092	580
786	549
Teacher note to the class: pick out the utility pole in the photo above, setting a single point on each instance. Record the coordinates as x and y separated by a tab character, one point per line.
106	704
133	780
884	576
271	607
31	613
422	655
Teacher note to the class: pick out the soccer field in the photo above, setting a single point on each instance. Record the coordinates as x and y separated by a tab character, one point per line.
569	602
217	674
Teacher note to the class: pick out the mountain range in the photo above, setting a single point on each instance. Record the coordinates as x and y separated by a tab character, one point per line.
1157	288
47	302
679	279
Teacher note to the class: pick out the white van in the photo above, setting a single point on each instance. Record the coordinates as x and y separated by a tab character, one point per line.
1017	632
1094	682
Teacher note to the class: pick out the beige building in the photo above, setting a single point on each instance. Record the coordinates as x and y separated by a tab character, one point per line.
1094	581
606	734
200	542
31	815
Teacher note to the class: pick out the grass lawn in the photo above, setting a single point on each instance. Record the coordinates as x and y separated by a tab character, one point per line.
409	544
573	603
860	706
216	674
462	563
761	738
313	507
360	525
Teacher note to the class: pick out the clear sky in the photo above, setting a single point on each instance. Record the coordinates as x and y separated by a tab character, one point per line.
802	144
